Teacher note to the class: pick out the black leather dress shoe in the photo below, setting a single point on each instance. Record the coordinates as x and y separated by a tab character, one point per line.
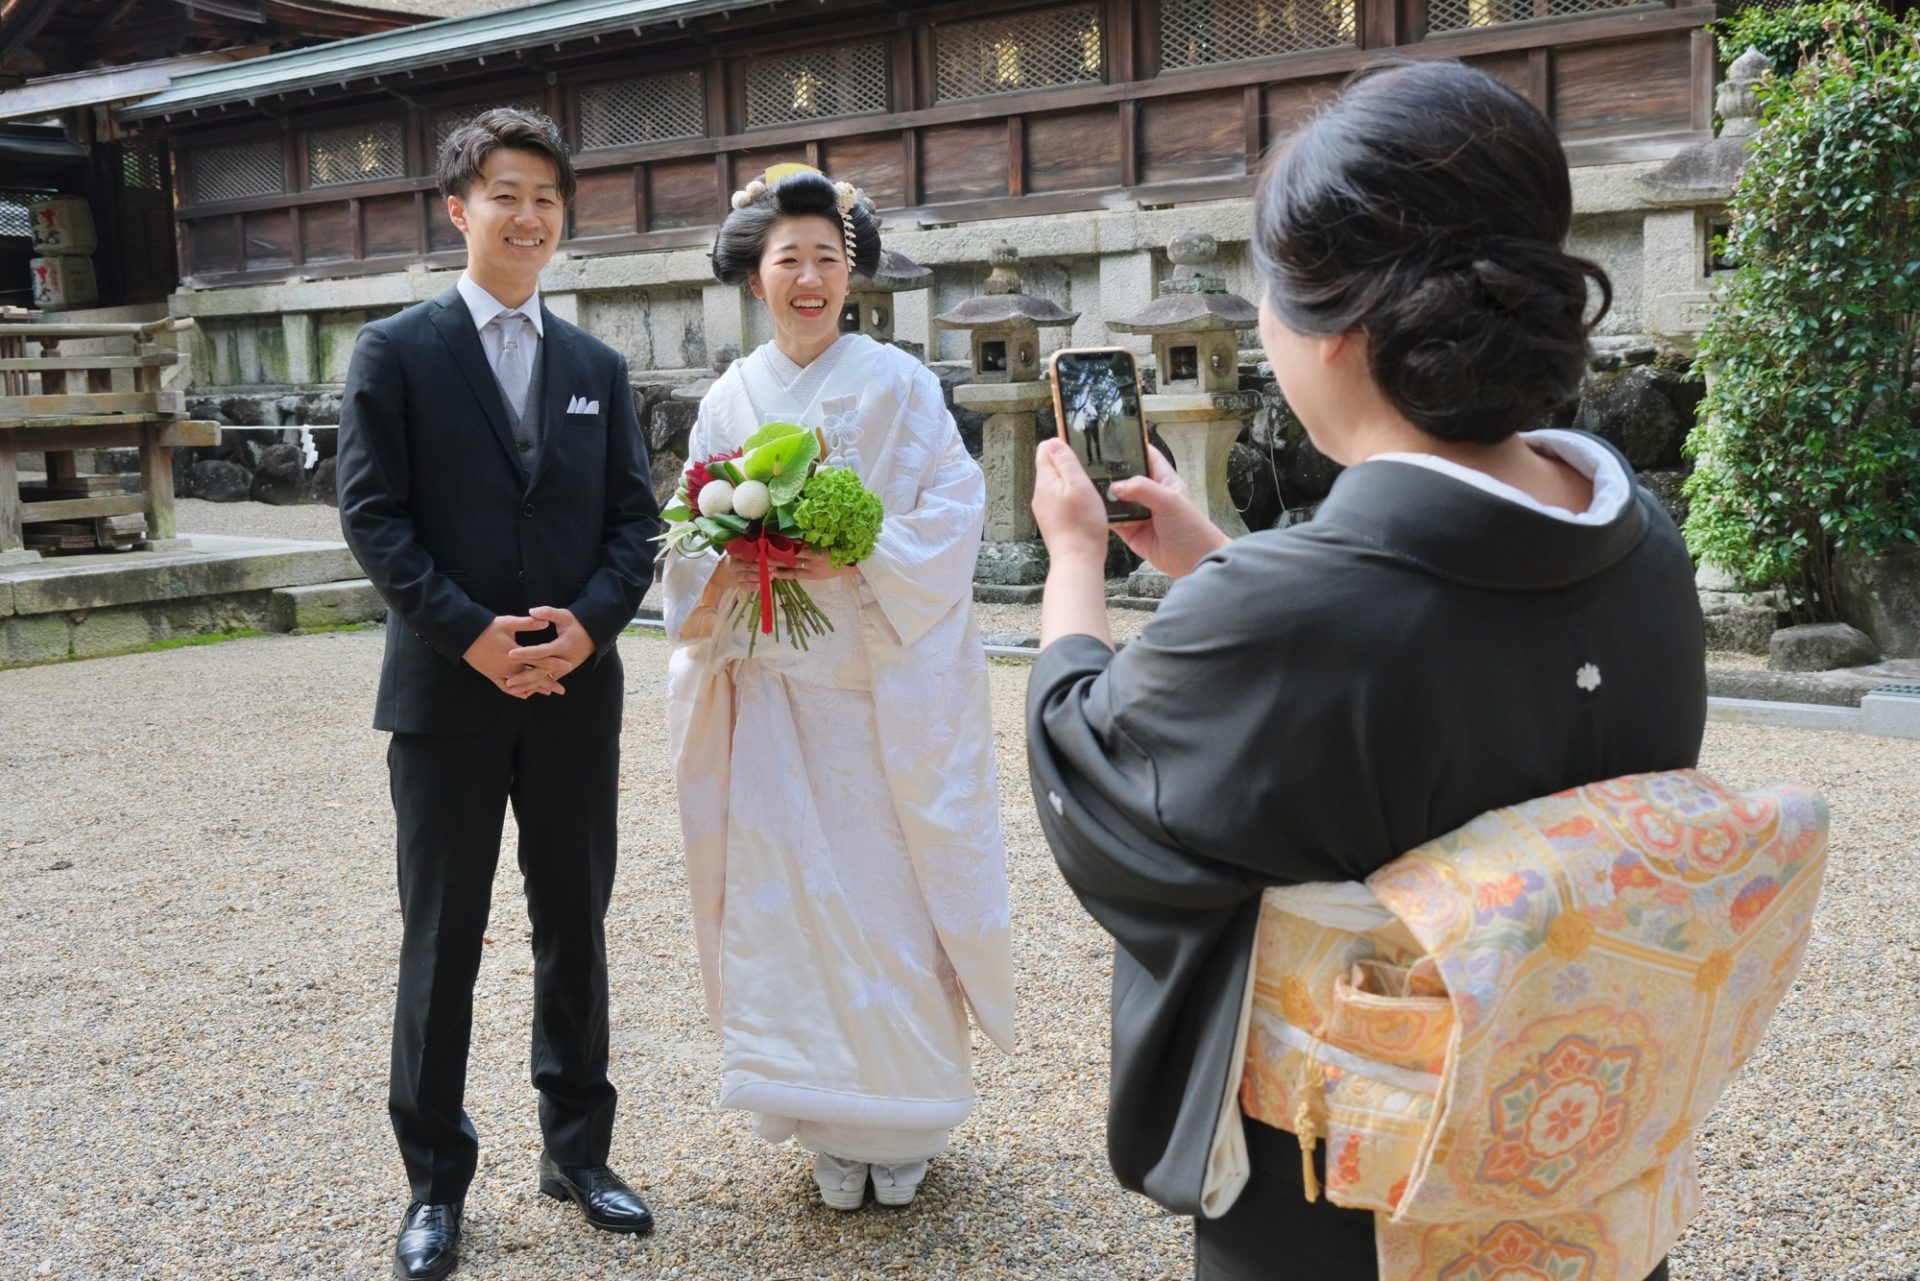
606	1201
429	1244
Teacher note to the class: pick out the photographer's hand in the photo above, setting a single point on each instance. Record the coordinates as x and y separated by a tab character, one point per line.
1179	536
1073	521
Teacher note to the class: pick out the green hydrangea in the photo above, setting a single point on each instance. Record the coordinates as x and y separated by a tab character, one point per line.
839	515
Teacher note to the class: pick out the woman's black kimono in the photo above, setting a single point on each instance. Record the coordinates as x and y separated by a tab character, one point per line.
1307	706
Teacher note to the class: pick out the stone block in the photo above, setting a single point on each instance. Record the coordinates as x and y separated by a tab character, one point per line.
1306	474
1881	596
325	605
1715	579
35	638
1634	410
218	481
1892	711
667	468
1820	647
1665	484
669	425
281	477
1008	593
1148	583
1253	482
326	485
1743	629
112	631
1011	563
178	579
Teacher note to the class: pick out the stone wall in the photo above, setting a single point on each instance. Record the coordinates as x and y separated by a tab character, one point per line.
664	311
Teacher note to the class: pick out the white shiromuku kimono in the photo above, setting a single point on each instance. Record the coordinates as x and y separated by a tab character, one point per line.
838	805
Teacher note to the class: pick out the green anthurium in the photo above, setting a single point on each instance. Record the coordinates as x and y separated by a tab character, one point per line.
782	464
771	432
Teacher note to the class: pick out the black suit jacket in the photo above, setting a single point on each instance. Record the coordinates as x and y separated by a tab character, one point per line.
453	531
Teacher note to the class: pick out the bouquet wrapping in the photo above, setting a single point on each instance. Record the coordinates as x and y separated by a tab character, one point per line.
764	503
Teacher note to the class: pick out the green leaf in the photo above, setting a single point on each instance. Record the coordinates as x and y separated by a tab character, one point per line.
782	463
772	431
675	512
720	529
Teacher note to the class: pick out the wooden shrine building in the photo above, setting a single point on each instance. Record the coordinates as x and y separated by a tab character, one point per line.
318	161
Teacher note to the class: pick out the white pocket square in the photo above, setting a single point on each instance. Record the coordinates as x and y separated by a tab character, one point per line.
581	405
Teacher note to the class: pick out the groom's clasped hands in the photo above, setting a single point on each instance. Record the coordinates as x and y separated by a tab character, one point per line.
526	670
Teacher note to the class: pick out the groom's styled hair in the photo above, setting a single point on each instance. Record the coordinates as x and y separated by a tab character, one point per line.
467	148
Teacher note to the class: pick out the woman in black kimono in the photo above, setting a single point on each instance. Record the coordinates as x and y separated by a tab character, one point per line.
1477	615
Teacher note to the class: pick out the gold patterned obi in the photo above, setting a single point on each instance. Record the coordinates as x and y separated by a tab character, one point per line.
1508	1071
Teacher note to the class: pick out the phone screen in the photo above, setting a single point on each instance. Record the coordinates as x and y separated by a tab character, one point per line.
1099	408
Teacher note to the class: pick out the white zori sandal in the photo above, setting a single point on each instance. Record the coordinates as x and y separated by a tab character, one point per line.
896	1184
843	1184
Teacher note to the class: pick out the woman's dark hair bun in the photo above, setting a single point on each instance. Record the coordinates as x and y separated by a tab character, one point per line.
743	236
1426	207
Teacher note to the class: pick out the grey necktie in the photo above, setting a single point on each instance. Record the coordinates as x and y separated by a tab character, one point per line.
514	366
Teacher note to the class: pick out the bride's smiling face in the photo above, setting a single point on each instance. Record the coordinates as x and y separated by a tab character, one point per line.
803	278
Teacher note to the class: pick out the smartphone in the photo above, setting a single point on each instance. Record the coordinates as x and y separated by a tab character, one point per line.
1096	402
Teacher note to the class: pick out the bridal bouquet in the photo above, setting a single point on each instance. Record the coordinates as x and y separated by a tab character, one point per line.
765	503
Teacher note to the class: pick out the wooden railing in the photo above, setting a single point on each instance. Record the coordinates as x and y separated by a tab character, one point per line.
56	403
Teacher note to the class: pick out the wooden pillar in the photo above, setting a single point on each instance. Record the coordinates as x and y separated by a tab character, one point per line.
12	545
156	483
54	382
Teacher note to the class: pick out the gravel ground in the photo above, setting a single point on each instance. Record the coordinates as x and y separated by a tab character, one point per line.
197	907
257	520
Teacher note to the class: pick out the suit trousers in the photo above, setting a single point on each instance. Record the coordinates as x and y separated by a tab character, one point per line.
1273	1233
450	794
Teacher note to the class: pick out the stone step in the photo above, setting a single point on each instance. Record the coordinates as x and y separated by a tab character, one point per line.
340	604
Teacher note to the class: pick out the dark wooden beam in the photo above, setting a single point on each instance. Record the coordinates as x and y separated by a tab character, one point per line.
33	17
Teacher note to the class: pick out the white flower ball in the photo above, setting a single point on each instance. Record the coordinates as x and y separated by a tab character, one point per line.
741	200
716	498
750	500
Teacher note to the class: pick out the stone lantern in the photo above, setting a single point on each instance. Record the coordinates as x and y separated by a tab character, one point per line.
1198	407
1688	206
869	305
1010	388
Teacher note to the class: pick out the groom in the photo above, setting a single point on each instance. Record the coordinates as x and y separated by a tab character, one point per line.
495	488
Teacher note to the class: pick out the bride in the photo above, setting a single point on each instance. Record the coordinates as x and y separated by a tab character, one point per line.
838	805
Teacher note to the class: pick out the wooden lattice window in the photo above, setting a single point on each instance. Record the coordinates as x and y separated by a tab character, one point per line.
1020	51
15	218
1197	33
447	119
615	113
238	171
833	80
1469	15
143	165
365	152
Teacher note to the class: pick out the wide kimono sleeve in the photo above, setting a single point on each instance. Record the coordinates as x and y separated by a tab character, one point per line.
1157	781
922	568
688	607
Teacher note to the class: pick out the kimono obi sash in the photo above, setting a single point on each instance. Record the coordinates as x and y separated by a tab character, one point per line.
1508	1071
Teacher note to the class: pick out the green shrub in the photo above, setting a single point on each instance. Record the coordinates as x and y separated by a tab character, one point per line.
1809	438
1785	36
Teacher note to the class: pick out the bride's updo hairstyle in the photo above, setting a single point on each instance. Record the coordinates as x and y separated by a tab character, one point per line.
743	236
1426	207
